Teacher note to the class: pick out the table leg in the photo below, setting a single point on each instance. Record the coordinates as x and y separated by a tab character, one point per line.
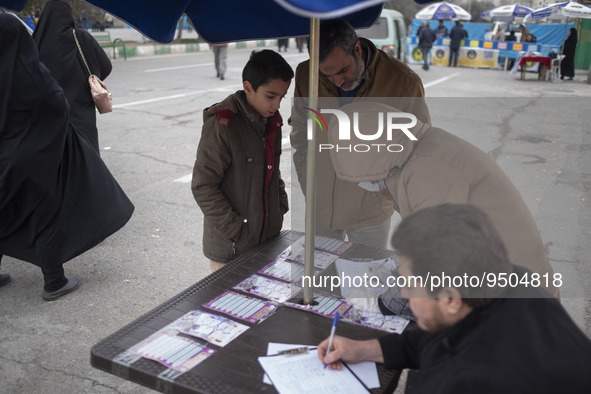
542	70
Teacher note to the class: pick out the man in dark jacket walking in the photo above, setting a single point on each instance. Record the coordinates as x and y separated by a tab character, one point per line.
471	339
426	38
457	34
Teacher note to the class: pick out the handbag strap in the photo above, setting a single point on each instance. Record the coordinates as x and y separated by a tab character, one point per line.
80	49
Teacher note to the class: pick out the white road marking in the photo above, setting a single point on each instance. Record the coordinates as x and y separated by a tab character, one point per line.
175	96
440	80
177	67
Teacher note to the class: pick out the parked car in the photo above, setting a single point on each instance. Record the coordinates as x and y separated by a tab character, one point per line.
388	33
490	33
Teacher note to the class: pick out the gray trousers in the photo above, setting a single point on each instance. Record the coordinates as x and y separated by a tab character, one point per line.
220	55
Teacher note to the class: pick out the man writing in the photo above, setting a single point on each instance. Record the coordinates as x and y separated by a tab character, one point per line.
350	68
471	338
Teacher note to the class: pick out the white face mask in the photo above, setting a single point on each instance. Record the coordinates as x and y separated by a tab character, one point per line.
374	187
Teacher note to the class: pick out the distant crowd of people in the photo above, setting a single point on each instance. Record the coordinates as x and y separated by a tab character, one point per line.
427	36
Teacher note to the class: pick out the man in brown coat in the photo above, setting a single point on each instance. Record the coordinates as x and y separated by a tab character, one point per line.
350	68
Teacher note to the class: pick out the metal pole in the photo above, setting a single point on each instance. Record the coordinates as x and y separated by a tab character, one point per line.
311	163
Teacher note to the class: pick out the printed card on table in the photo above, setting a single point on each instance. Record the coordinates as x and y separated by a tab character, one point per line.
327	306
172	350
331	245
389	323
296	252
270	289
286	270
213	328
240	306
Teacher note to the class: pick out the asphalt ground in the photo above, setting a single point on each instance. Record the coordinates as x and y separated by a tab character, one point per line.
536	130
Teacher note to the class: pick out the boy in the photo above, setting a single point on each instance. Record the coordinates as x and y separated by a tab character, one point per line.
236	178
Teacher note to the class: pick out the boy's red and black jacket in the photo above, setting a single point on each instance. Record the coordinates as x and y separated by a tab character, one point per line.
236	178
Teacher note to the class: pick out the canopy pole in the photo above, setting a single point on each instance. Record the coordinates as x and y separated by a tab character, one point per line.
311	164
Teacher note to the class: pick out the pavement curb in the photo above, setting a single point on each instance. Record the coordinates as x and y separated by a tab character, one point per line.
168	49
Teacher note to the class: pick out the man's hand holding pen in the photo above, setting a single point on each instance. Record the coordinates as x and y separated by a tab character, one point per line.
349	351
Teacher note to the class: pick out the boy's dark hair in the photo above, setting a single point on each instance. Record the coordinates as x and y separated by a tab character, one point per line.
336	32
265	65
454	240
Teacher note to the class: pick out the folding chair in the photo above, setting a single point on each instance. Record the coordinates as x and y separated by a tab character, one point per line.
554	73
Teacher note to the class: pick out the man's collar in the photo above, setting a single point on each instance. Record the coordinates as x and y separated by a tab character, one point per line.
368	52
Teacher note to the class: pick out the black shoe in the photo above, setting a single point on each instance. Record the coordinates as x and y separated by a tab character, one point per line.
73	284
222	77
562	77
4	279
217	75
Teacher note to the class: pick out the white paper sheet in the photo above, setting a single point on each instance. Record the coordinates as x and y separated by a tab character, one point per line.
358	270
305	373
365	370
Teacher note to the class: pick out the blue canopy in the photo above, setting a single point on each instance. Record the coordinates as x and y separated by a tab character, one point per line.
506	13
568	8
232	20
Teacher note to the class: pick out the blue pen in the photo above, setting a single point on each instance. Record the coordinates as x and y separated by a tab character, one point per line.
332	330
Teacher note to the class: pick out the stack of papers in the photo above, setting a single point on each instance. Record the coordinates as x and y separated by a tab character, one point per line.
304	373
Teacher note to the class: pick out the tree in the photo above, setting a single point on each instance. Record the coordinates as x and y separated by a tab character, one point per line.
478	7
179	36
407	8
80	9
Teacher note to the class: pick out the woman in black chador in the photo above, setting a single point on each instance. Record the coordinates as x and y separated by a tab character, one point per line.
567	66
58	51
57	197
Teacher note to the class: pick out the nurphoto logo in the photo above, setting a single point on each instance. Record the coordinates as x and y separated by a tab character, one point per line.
384	122
318	118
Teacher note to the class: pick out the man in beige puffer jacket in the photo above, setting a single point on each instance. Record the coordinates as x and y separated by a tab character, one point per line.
439	168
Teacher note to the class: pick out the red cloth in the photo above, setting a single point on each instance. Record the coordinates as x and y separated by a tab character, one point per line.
536	59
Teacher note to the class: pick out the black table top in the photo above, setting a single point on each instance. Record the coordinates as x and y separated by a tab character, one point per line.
233	368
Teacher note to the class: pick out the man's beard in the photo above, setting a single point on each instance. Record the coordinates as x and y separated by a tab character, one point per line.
361	69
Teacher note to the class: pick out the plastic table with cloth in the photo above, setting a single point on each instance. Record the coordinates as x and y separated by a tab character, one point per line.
548	69
545	64
533	62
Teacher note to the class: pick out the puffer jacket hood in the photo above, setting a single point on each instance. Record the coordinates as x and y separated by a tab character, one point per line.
362	158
